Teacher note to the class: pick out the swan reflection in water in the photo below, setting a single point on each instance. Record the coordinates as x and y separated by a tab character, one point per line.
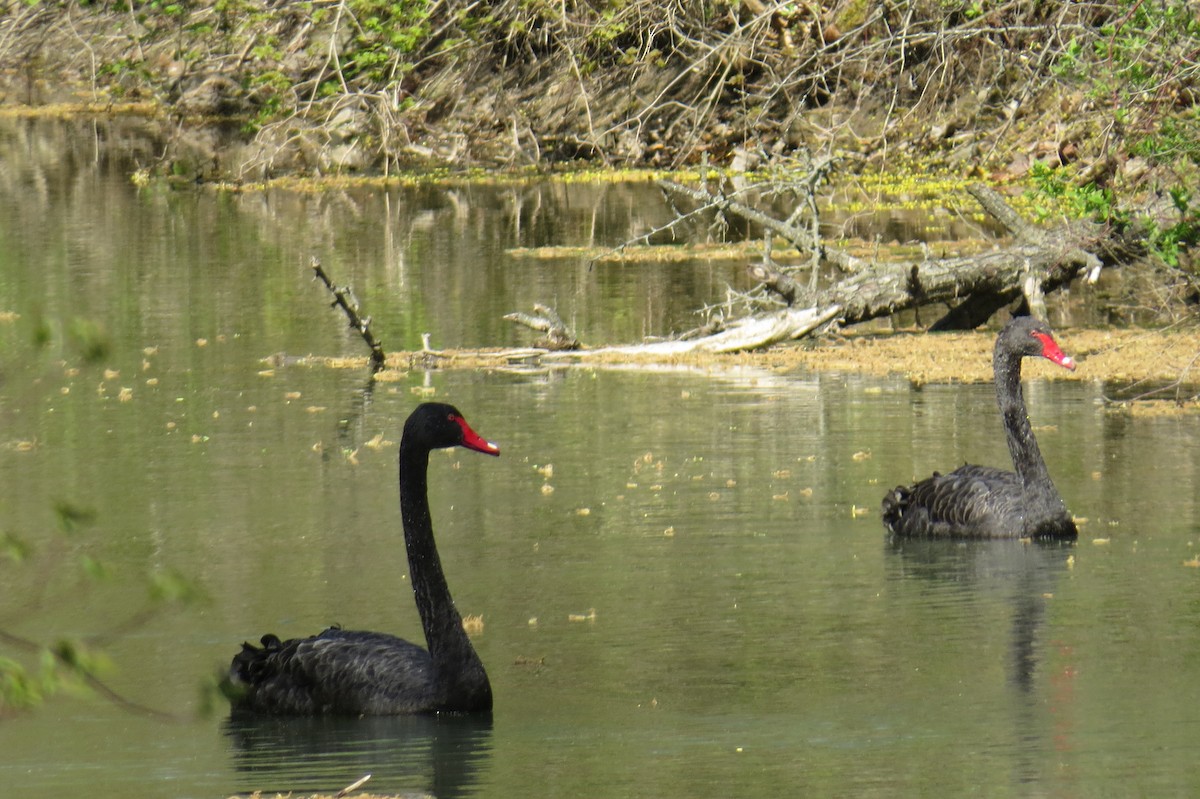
1024	573
1022	576
437	755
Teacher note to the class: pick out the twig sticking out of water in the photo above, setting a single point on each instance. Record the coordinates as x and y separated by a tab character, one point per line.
343	298
354	786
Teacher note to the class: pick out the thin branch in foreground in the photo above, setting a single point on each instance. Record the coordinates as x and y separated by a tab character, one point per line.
344	299
64	655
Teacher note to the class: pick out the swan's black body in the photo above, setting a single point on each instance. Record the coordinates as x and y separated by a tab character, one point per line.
980	501
366	673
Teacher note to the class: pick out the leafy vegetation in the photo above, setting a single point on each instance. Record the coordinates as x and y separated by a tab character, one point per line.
1140	63
1087	201
1137	67
640	82
1170	242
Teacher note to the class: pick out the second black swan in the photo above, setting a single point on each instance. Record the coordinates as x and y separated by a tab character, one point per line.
981	501
367	673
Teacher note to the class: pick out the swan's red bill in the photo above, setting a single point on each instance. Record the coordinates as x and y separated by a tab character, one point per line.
472	440
1052	352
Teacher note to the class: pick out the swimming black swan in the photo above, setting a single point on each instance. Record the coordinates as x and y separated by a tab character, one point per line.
364	673
982	502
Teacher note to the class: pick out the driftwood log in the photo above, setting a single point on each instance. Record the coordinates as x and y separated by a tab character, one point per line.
1035	261
976	286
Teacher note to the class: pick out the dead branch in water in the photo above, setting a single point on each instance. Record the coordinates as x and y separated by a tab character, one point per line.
343	297
774	279
558	335
967	290
748	333
354	786
974	287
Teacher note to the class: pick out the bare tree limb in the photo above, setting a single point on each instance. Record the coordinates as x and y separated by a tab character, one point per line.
800	238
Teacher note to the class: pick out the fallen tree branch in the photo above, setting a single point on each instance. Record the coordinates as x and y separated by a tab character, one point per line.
800	238
774	280
974	286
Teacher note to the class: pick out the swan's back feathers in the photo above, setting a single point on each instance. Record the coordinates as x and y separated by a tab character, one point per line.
970	502
335	672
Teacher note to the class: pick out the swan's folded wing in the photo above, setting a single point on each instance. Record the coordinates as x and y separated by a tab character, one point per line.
338	671
969	502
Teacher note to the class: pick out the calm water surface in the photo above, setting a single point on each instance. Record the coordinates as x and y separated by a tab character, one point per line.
691	602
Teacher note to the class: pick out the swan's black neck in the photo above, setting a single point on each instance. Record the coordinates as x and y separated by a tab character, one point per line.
459	672
1027	459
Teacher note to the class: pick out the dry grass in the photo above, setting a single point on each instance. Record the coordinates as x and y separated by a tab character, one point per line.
1120	356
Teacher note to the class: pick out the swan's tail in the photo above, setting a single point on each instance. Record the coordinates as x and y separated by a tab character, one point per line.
246	669
895	502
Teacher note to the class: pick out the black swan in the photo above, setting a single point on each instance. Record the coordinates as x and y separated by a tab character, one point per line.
982	502
365	673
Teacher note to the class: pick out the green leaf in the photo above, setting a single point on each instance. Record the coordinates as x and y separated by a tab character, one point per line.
15	549
171	586
72	517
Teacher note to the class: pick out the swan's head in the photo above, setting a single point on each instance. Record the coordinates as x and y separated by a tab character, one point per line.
438	425
1031	337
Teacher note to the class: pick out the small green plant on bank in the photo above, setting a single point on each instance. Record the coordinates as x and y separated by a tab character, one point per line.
1176	138
1055	193
273	90
1138	65
116	74
386	33
1171	242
